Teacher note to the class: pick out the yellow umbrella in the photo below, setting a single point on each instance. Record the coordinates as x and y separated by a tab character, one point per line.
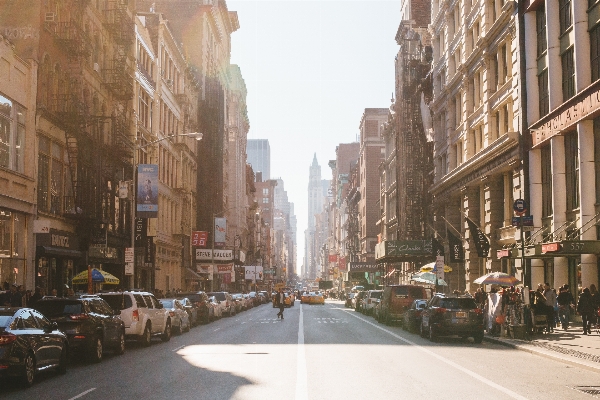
429	267
98	276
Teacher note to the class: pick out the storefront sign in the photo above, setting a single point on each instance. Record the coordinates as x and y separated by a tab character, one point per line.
253	273
219	255
502	253
41	226
550	247
363	267
333	258
199	238
141	227
586	104
60	239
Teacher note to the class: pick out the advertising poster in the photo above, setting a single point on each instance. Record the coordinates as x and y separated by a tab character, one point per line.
147	191
220	231
253	272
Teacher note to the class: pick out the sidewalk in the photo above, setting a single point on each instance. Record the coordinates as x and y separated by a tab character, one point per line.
570	346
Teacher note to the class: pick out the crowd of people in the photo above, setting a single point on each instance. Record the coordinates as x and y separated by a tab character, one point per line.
556	307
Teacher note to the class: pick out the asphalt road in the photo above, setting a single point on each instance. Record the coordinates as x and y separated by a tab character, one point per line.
316	352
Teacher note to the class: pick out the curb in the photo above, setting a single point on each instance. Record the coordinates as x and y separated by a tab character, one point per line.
593	366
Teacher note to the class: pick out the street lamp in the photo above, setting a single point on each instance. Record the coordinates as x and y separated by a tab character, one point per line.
136	148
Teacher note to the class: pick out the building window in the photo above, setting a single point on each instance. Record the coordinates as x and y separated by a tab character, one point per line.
12	135
572	170
546	161
544	94
52	176
540	27
568	74
265	200
565	16
265	191
595	52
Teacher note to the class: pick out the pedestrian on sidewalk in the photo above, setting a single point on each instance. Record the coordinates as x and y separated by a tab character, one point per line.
280	302
565	303
585	307
550	296
596	301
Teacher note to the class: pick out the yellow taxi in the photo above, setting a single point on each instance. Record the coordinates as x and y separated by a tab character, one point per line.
290	298
312	298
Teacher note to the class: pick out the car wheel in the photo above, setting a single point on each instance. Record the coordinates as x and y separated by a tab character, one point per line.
478	337
64	359
96	350
120	349
29	370
432	336
146	337
166	336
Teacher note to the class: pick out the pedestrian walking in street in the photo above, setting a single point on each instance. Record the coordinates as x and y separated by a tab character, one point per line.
280	302
585	308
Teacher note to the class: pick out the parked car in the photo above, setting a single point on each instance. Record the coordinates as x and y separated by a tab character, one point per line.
249	301
225	301
370	301
239	302
396	299
29	343
262	298
89	322
358	300
452	316
215	307
180	320
191	310
200	301
142	313
349	298
255	298
412	316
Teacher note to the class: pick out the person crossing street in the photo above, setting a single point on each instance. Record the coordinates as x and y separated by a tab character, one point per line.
280	302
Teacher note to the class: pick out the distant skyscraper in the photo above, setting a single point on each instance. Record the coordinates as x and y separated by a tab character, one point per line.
259	156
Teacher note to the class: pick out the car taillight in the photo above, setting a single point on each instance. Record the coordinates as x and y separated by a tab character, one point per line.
478	311
7	338
136	315
440	310
78	317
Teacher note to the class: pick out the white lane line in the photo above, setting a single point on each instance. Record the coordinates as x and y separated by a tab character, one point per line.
301	375
82	394
214	330
178	348
480	378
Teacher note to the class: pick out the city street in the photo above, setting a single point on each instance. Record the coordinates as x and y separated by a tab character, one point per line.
317	352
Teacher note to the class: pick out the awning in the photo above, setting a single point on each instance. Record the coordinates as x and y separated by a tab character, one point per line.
58	251
190	274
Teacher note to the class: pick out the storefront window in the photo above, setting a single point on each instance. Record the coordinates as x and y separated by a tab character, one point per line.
12	135
12	247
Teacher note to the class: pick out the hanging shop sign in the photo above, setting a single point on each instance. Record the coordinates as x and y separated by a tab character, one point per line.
220	230
219	255
199	238
147	191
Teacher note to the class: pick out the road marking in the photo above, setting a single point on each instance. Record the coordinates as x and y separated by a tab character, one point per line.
467	371
178	348
82	394
301	375
214	330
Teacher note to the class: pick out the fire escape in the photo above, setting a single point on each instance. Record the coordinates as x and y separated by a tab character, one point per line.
414	153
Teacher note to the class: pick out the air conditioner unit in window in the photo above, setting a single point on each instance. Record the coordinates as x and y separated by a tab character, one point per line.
50	17
97	67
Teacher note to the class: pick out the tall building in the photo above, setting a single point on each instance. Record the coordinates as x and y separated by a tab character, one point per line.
370	157
476	106
317	194
563	86
259	156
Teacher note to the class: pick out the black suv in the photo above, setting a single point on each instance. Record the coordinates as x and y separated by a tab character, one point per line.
452	316
89	323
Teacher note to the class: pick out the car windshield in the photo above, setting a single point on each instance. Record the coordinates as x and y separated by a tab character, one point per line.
117	301
218	295
167	303
55	308
466	303
376	295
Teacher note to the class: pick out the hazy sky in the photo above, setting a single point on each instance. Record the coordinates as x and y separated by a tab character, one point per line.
311	67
